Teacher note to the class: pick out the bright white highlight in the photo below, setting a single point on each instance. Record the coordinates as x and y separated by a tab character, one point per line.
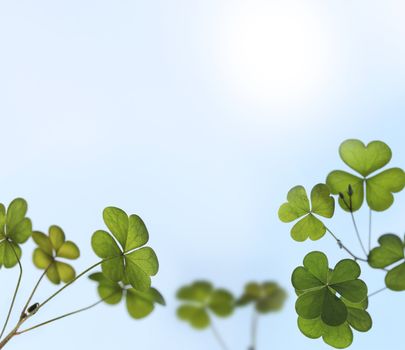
273	52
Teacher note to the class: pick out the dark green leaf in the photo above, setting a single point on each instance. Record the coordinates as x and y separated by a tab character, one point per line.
360	320
317	287
339	337
395	278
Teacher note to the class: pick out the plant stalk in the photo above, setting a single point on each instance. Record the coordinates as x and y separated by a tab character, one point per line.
253	330
218	337
342	246
34	290
69	283
15	291
369	230
60	317
24	316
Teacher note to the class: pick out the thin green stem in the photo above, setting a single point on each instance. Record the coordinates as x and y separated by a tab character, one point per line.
69	283
342	246
218	337
377	291
358	233
35	289
10	335
15	291
60	317
350	208
369	229
253	330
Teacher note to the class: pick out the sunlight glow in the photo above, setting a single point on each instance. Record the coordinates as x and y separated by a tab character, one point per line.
274	53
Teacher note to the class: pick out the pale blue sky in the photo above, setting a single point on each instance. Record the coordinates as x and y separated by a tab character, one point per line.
198	116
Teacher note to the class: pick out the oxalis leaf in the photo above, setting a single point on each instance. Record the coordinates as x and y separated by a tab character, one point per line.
53	246
321	289
390	251
266	296
15	229
365	160
340	336
298	206
138	304
200	299
125	261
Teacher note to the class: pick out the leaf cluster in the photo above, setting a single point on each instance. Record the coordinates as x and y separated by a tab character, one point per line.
127	264
366	160
200	301
333	302
330	300
123	249
266	297
15	229
51	247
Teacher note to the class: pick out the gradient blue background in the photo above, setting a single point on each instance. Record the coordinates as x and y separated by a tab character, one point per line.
126	103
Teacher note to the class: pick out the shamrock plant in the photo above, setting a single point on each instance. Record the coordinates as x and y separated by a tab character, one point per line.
298	206
51	247
126	271
338	336
265	297
332	302
137	265
200	301
366	160
15	229
323	291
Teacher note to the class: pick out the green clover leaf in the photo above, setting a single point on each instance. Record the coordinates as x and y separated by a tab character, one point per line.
267	296
200	299
341	336
125	260
365	160
390	251
50	247
297	206
318	286
138	304
15	229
